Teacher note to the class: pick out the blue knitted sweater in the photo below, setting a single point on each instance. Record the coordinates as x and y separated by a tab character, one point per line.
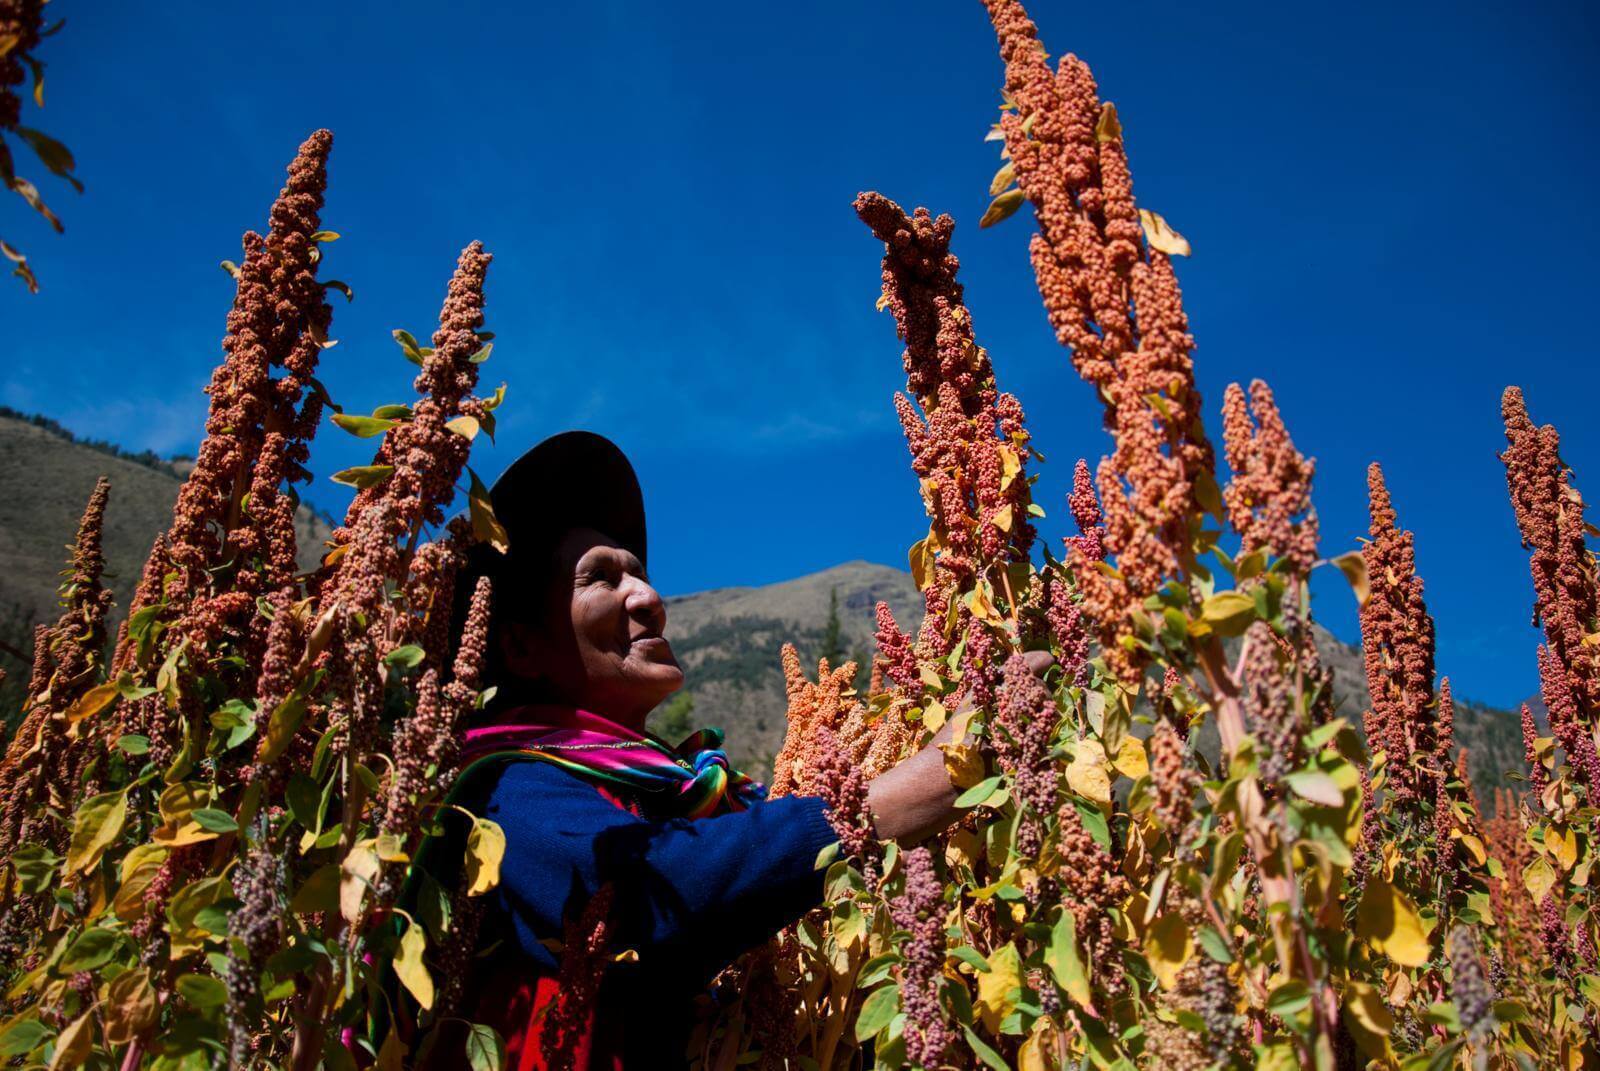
689	896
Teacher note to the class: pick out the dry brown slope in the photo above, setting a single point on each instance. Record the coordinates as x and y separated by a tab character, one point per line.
45	480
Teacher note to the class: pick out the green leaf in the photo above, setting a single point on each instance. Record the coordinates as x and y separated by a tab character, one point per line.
54	155
325	236
341	286
93	948
35	867
876	1011
215	820
1094	820
281	727
23	1036
214	919
202	991
483	354
1215	945
485	1050
1228	613
408	346
985	1052
968	954
407	657
362	477
979	792
1316	786
319	892
877	969
393	412
1289	998
304	799
133	743
363	427
1064	961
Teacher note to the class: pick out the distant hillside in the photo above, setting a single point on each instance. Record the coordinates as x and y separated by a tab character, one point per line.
728	639
46	475
728	642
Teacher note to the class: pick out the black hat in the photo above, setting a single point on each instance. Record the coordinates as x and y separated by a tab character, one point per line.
573	480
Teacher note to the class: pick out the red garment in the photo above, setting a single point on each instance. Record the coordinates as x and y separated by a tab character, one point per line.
516	1007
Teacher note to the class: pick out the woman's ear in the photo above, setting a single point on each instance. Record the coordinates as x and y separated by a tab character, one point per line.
520	652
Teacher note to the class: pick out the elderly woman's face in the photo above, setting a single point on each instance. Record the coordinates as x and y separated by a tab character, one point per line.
602	648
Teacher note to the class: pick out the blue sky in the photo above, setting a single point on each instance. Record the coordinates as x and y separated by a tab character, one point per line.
1390	206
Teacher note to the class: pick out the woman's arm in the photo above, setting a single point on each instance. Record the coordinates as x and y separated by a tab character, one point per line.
915	799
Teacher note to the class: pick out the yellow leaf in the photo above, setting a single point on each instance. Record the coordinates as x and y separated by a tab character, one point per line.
485	526
1010	464
1161	236
1354	568
1562	845
1539	879
1229	612
410	969
392	1056
358	871
179	836
97	824
1388	921
130	1006
139	868
933	716
1108	127
1033	1056
962	849
486	847
1475	846
1368	1019
1132	762
1002	178
75	1043
464	426
179	801
1001	208
963	762
1002	518
91	702
918	556
1168	946
1087	773
998	986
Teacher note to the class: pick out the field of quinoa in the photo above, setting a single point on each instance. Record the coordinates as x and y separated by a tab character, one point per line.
217	794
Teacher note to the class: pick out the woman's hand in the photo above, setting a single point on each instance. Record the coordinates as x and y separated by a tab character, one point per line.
915	799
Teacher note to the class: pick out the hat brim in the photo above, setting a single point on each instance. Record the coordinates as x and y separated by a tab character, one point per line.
576	479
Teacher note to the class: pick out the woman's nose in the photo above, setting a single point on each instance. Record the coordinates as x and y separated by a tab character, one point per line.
643	600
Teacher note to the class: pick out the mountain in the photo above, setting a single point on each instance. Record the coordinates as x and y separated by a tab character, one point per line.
46	476
727	639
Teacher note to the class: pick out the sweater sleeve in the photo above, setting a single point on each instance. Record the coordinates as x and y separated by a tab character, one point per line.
692	892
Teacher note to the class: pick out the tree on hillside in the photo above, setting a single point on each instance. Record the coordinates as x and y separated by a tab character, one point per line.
831	648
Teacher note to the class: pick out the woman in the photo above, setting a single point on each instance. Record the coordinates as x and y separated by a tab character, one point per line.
697	865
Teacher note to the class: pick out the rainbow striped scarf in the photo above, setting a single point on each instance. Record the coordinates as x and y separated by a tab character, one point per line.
692	780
